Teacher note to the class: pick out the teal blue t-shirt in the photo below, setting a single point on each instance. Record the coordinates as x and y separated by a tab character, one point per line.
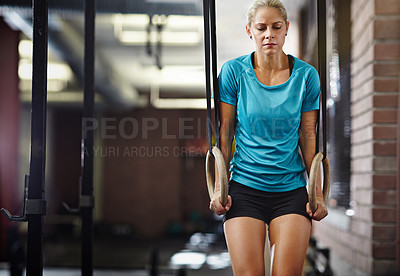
267	153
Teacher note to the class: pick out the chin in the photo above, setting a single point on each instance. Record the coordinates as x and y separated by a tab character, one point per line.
269	52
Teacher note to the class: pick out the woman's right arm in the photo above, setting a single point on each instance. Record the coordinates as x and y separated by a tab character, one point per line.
227	131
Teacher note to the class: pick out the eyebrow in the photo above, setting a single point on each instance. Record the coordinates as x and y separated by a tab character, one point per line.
277	22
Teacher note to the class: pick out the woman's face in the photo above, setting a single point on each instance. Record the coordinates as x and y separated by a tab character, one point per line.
268	30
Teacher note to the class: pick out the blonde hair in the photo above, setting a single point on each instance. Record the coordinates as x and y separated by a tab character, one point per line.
277	4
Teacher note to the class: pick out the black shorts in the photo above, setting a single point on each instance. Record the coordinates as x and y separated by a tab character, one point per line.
265	206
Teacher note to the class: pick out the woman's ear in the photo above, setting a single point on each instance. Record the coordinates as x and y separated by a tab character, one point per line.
248	32
287	26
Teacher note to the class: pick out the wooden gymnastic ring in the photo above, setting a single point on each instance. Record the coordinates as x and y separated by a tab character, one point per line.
312	184
223	177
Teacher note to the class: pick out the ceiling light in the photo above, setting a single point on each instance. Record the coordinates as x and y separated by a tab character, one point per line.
174	103
132	29
55	71
168	38
135	20
183	22
25	48
171	1
182	103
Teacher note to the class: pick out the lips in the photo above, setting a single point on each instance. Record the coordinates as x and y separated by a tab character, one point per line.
269	44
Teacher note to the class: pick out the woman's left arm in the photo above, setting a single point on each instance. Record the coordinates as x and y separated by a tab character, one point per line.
307	143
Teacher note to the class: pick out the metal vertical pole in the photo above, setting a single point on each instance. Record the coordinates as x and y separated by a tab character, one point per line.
88	142
36	185
321	7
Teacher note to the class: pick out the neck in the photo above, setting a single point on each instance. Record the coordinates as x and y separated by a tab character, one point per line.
274	62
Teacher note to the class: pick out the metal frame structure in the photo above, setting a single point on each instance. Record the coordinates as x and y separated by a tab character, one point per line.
86	198
34	194
36	186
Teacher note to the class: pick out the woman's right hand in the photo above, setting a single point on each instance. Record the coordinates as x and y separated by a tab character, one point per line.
216	206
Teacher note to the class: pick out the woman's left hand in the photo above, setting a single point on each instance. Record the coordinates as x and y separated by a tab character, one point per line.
321	211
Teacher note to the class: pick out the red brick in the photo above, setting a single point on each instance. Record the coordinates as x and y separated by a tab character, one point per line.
386	70
387	164
385	116
383	148
383	7
384	232
385	267
384	197
385	100
387	51
384	250
384	181
383	132
386	85
386	28
384	215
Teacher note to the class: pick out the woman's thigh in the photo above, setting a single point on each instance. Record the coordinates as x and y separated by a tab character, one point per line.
245	238
289	234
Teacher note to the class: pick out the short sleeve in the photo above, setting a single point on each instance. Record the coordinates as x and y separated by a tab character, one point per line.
313	88
227	85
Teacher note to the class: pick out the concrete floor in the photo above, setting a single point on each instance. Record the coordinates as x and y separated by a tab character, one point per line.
76	272
126	255
116	255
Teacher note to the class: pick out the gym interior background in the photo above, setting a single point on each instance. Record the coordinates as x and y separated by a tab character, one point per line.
150	127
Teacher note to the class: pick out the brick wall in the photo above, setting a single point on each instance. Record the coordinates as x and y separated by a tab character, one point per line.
369	242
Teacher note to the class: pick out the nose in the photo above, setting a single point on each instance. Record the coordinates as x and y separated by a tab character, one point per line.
269	33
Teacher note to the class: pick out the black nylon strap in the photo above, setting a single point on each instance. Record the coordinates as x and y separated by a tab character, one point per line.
206	14
321	4
214	69
210	48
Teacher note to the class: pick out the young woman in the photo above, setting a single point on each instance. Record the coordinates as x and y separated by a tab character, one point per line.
269	104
